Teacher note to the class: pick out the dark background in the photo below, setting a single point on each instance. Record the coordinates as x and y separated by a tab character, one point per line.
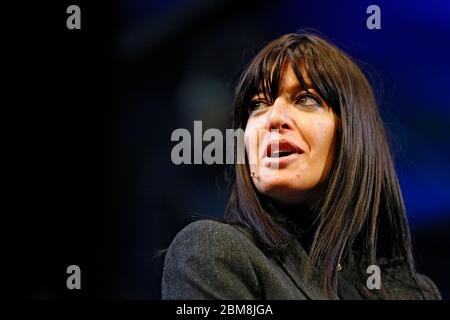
98	186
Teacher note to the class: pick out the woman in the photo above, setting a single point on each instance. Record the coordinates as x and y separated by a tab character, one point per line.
319	204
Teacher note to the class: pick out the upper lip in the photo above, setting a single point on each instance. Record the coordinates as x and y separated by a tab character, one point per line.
283	146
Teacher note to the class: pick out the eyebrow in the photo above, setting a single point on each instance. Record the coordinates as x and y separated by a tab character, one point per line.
298	87
293	88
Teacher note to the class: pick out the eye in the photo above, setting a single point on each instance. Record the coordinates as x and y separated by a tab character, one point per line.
256	105
308	100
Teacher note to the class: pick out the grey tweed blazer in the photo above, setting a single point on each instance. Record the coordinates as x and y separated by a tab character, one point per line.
213	260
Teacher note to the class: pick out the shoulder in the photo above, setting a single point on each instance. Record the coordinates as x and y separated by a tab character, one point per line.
428	287
208	235
208	228
210	260
400	282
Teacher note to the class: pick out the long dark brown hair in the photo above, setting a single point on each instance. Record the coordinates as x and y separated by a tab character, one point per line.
361	212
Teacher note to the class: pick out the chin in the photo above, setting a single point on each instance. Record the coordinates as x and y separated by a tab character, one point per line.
282	192
286	190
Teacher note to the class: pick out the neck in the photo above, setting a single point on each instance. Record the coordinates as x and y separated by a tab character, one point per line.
303	215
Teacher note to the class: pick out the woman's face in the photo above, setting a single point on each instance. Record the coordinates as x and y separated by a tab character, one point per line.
290	143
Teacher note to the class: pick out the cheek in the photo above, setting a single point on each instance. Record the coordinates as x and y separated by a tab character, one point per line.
248	135
253	135
320	135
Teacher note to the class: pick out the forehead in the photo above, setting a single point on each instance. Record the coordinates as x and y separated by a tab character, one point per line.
288	79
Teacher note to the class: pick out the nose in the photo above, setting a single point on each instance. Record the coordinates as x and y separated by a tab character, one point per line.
278	117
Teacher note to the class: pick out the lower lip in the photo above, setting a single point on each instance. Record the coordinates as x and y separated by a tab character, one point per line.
280	162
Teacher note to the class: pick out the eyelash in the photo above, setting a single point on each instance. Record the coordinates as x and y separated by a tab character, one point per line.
317	100
253	104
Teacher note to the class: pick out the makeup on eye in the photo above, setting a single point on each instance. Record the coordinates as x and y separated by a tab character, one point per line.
308	99
305	98
258	105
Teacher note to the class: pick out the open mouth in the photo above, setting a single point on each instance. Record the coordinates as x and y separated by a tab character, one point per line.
281	149
281	154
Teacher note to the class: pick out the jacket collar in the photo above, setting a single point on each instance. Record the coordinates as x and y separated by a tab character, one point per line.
294	264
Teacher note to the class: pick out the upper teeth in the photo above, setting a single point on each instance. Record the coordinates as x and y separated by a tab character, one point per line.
279	153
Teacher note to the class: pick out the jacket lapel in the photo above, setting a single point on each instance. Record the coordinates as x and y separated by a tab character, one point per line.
294	264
